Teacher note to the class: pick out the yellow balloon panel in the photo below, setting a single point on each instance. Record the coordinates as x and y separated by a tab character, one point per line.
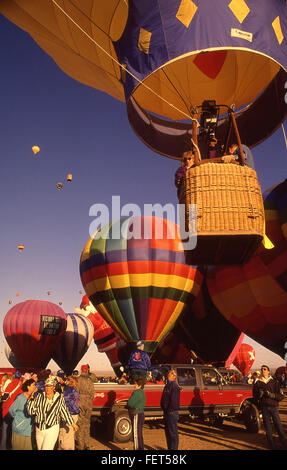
76	36
227	76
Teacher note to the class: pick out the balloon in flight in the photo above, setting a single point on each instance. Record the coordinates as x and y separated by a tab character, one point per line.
35	149
165	57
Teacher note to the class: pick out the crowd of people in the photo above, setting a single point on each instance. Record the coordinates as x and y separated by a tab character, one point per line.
42	411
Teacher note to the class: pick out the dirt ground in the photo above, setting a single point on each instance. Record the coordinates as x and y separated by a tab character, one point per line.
194	436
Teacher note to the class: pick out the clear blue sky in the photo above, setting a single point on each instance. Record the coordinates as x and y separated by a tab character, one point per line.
84	132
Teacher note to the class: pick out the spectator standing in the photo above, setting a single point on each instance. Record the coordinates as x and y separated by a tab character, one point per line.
139	362
12	389
86	392
48	408
22	422
170	403
136	404
72	400
267	393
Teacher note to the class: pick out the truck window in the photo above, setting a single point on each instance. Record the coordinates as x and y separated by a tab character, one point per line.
186	376
210	377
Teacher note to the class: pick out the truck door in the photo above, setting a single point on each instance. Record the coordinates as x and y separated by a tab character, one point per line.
212	390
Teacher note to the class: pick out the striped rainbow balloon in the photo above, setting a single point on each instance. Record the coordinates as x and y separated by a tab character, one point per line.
137	278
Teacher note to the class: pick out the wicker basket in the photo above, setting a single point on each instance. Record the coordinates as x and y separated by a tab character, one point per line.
230	212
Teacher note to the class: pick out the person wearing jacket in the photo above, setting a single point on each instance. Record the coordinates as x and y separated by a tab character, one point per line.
11	389
49	408
72	400
267	394
22	422
136	404
87	392
139	362
170	403
187	161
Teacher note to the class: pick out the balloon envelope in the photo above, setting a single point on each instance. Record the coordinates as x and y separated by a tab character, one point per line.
74	343
168	56
203	330
33	330
138	283
253	297
245	358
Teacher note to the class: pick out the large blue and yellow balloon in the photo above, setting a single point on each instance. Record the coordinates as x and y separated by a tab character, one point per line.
165	57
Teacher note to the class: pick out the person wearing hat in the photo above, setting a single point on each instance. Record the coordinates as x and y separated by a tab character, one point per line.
86	393
267	395
48	408
139	362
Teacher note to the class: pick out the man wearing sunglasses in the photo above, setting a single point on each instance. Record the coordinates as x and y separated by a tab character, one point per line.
267	393
187	161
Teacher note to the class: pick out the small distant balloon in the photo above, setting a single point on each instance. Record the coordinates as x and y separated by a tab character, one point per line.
59	186
49	292
17	294
20	247
69	177
60	303
35	149
10	302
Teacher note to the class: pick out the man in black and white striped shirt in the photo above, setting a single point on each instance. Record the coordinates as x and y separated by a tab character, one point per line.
49	408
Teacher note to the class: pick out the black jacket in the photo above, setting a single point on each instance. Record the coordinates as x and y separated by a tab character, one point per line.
267	394
170	399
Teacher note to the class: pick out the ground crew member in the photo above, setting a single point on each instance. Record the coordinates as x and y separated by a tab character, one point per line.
86	391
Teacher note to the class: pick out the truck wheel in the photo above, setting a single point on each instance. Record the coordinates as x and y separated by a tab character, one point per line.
251	418
122	430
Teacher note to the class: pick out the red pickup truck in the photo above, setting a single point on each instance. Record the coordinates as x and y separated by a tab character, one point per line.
205	394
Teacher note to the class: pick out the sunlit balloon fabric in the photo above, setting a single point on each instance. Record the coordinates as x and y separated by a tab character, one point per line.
35	149
169	55
67	38
253	296
245	358
139	285
74	343
33	330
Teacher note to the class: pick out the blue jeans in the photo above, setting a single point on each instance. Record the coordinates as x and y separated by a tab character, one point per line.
269	414
171	431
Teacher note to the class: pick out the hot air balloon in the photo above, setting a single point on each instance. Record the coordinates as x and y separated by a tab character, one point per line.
20	247
33	330
105	338
138	283
11	356
165	57
253	297
74	343
202	329
173	61
59	186
245	358
69	177
35	149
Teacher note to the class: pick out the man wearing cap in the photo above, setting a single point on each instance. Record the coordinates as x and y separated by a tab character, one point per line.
267	394
86	391
139	362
